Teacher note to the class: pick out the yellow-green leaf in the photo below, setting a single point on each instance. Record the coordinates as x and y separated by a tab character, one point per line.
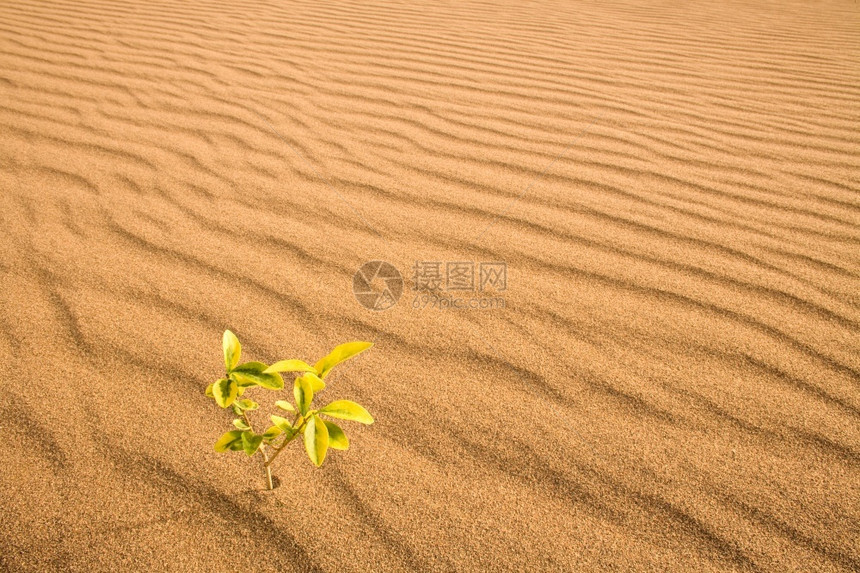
284	405
224	391
209	391
303	392
272	433
347	410
282	423
317	383
251	366
253	374
224	442
240	423
336	438
247	404
232	350
290	366
338	355
316	440
251	442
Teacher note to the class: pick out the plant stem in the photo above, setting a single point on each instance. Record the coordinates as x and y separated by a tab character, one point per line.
280	448
269	481
268	470
286	441
247	421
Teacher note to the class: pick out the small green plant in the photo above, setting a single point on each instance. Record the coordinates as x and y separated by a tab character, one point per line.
318	434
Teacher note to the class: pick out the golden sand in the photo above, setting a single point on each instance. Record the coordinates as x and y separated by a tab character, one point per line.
671	385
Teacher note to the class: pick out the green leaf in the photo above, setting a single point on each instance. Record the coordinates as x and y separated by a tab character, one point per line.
232	350
272	433
282	423
317	383
240	423
284	405
316	440
247	404
224	391
347	410
236	409
209	391
303	393
251	442
336	438
253	374
252	366
227	440
338	355
290	366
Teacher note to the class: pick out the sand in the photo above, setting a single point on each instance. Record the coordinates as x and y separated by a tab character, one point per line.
672	383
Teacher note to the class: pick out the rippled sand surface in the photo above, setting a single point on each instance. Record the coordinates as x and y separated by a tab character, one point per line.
673	382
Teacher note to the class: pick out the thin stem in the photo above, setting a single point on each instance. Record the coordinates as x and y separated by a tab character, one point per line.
286	441
268	470
247	421
262	451
280	448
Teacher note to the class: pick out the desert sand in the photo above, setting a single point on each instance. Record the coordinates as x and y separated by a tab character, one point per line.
673	382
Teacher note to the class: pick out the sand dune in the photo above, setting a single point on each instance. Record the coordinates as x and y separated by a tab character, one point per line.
671	385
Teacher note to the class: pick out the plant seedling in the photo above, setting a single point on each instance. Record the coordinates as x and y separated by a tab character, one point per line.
318	433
